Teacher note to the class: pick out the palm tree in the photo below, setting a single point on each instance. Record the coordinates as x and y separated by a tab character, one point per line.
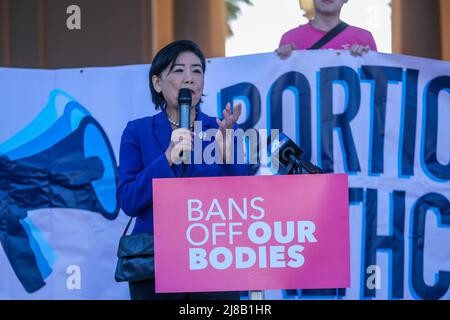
233	11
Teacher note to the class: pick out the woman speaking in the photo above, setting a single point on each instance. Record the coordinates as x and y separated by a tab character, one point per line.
159	147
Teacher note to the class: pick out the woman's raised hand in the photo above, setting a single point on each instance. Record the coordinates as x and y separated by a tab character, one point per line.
180	146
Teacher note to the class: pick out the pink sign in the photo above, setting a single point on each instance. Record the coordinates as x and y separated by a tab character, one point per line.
251	233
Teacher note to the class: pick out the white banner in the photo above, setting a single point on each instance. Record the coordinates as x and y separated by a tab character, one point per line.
380	118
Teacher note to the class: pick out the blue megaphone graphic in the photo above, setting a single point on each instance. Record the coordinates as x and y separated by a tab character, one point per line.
62	159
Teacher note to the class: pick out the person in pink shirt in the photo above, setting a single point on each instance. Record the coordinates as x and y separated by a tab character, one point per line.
327	16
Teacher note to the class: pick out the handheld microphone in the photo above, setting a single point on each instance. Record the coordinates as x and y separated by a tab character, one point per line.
184	105
184	108
284	152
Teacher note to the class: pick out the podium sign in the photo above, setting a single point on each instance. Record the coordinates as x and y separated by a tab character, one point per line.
251	233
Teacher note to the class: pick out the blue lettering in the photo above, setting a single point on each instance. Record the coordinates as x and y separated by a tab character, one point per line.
299	84
393	243
247	92
441	206
329	121
381	77
407	143
431	165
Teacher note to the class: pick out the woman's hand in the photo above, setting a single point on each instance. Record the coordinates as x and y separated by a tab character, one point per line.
285	51
224	133
229	119
180	146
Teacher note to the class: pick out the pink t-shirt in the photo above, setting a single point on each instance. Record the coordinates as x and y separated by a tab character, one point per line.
304	36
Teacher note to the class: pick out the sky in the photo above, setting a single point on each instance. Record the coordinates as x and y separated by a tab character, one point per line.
259	27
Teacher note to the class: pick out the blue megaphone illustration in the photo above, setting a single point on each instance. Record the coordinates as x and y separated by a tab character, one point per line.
62	159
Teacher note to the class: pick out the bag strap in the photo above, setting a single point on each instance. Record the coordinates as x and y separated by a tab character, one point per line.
329	36
126	228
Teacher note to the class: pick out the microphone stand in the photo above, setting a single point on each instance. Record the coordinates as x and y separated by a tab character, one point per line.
297	166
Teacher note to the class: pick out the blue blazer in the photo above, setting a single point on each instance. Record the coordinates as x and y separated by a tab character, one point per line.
142	158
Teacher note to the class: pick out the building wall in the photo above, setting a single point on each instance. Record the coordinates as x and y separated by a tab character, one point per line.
420	28
34	34
206	26
445	29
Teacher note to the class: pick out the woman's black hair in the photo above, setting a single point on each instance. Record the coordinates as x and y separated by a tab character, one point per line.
167	56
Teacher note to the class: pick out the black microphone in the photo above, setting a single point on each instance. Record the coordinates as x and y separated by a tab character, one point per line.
184	106
283	151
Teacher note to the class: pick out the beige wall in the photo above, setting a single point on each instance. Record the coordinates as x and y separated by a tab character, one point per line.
161	24
445	29
416	28
421	28
33	33
202	21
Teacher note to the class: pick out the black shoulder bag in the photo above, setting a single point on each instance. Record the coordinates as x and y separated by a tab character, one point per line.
329	36
135	257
